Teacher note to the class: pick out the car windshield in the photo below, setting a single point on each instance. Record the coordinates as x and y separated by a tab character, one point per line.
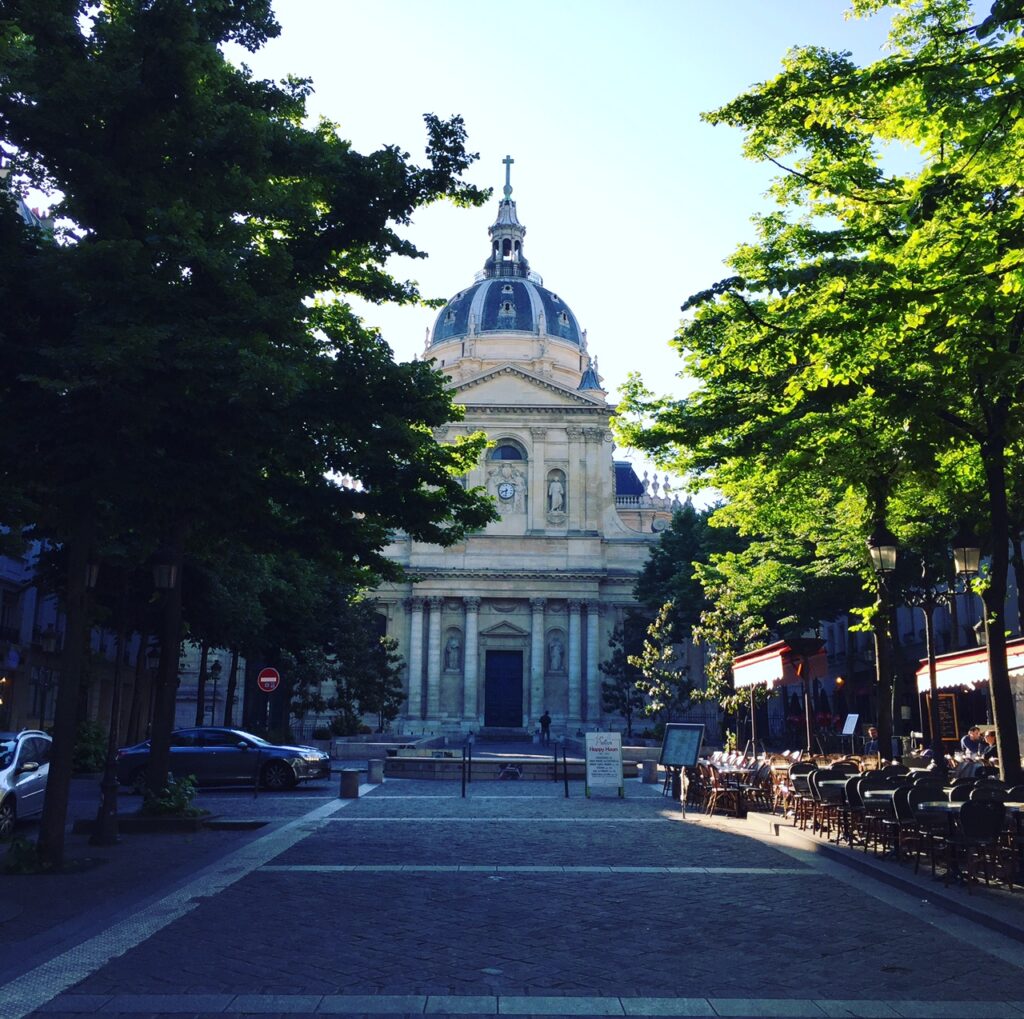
7	748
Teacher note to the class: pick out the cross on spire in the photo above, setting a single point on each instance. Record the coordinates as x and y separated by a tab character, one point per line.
508	161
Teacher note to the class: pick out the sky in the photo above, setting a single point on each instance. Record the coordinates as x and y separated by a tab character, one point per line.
630	201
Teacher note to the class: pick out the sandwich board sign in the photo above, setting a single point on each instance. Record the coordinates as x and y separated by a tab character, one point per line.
604	762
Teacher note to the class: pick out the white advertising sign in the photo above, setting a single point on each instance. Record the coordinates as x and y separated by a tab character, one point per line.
604	761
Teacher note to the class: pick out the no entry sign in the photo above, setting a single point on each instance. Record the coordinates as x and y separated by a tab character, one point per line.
268	680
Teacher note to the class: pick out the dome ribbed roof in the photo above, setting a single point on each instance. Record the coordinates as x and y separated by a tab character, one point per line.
506	297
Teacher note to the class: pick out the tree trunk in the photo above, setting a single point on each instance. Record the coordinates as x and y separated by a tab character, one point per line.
166	687
1003	711
201	686
50	845
229	693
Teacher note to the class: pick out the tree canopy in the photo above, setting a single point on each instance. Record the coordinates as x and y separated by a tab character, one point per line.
180	368
868	343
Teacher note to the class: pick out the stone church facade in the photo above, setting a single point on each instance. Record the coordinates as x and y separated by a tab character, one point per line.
516	619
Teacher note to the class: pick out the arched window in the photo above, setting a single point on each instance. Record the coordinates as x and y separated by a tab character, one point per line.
505	450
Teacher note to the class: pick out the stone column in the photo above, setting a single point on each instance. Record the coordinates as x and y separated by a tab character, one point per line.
538	518
470	662
576	479
593	672
414	707
573	660
536	659
434	658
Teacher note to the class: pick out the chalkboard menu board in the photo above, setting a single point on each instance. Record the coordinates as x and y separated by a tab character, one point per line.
949	728
681	746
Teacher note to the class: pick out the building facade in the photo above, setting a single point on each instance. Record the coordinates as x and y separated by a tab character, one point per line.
516	619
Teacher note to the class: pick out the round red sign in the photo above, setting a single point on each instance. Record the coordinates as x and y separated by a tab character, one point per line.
268	679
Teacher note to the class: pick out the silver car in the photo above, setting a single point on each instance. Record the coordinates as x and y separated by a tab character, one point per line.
24	767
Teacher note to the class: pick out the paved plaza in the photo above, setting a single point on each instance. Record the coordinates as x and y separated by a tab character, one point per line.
513	901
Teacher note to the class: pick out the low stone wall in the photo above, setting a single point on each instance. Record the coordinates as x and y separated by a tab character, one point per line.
490	769
364	750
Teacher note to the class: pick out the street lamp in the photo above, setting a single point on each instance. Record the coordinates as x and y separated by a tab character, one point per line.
215	671
882	549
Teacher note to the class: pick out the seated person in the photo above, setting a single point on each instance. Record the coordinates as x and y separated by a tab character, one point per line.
972	743
991	750
871	743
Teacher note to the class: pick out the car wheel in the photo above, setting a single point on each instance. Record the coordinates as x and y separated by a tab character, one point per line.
277	775
8	816
137	781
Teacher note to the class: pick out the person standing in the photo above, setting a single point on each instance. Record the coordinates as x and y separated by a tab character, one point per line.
545	728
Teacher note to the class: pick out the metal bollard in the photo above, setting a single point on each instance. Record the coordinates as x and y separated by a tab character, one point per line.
375	771
650	772
349	789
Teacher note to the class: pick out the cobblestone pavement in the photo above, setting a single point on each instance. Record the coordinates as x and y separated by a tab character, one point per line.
518	901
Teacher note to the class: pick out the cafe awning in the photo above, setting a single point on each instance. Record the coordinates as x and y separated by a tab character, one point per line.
781	663
968	667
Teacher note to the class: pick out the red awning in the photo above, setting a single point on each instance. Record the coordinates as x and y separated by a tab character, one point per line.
968	667
781	663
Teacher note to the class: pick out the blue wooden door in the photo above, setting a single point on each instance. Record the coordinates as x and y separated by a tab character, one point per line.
503	690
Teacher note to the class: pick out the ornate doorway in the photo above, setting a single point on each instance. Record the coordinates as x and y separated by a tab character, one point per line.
503	690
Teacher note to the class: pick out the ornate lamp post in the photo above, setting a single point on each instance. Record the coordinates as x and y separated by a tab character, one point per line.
882	550
928	597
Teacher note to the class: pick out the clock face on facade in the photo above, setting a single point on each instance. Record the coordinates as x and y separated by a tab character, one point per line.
506	490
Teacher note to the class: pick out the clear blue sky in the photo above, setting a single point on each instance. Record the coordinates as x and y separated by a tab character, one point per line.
631	203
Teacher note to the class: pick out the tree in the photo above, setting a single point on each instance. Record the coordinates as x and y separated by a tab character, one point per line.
888	305
664	678
178	362
621	693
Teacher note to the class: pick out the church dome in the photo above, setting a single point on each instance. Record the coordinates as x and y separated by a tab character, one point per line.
507	296
501	305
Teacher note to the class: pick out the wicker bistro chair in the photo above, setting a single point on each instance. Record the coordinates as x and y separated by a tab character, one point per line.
800	795
875	812
721	793
826	800
932	829
988	791
979	842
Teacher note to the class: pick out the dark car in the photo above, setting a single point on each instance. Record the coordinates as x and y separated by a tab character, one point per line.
24	767
218	756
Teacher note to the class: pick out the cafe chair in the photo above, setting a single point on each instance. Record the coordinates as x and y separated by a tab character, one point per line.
931	828
988	791
978	843
800	795
722	794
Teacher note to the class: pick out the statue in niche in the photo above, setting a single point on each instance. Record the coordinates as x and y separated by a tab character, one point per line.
556	495
556	653
453	653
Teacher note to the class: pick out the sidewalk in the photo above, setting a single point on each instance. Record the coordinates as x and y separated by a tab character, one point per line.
515	900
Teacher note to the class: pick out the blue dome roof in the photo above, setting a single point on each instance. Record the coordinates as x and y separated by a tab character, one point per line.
506	304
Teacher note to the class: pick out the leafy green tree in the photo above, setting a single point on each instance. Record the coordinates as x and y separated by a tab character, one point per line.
878	303
381	692
179	361
620	693
664	679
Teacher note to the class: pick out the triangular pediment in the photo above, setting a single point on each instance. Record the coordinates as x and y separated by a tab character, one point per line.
504	629
510	385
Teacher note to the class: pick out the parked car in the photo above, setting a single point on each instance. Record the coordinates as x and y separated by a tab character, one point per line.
219	756
24	767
